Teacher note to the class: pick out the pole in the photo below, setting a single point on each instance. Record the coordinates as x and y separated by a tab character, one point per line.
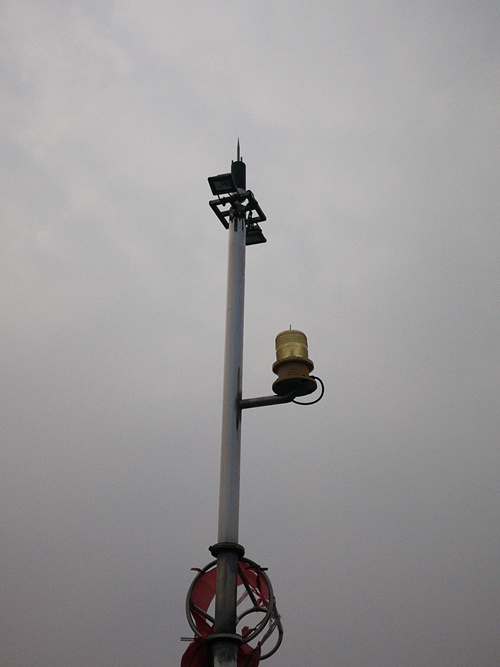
242	222
225	647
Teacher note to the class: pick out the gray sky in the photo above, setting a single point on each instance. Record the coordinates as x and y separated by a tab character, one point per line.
370	133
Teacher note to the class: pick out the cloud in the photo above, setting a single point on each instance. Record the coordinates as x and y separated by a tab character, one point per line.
368	131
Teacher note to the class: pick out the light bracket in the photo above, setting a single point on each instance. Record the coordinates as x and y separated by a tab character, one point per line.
223	207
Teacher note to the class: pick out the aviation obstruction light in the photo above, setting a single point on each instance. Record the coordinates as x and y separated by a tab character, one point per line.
292	365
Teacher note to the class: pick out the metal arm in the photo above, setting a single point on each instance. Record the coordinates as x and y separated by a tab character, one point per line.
260	401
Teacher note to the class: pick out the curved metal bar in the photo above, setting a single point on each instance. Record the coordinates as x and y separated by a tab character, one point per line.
268	610
278	641
276	624
188	597
320	396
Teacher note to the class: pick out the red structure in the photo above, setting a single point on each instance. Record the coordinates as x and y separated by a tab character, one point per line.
256	614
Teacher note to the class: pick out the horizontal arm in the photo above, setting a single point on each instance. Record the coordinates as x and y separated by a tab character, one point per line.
260	401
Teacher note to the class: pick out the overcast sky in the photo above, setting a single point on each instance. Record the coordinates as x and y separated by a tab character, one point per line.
370	133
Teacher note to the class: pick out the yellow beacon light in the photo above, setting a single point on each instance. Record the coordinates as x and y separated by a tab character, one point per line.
292	365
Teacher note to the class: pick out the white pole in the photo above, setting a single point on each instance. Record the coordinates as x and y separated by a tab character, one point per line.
225	649
229	497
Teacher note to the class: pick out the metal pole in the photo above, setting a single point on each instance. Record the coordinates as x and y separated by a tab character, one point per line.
225	648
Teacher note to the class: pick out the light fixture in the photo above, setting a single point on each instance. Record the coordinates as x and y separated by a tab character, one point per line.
292	365
223	184
230	190
254	234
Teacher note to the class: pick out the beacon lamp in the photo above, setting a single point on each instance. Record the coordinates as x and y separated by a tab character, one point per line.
293	366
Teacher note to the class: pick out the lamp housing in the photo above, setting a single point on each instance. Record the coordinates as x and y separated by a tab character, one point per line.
254	234
222	184
292	365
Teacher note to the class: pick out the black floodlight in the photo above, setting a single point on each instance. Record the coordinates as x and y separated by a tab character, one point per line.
254	234
223	184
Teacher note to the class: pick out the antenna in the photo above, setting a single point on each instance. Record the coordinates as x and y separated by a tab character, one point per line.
239	169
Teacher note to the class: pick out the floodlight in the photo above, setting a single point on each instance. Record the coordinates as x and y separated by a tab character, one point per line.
223	184
254	234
